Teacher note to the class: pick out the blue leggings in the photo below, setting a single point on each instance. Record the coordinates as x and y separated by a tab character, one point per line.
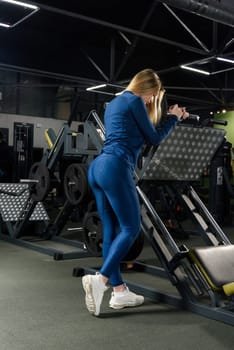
111	181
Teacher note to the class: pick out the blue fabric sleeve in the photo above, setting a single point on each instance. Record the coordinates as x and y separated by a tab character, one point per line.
152	134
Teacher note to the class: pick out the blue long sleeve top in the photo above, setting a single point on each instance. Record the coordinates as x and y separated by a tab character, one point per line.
128	127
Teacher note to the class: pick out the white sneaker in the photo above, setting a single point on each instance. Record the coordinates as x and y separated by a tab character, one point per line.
94	288
125	299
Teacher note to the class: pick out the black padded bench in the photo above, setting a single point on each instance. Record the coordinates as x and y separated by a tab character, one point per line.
217	266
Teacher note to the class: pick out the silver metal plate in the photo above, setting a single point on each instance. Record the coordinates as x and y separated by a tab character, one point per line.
12	204
184	154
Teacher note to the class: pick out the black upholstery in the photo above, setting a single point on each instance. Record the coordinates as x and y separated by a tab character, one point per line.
217	263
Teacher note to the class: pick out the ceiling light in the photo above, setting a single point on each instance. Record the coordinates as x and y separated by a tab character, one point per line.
195	70
224	59
119	93
107	89
5	25
96	87
209	63
19	3
11	15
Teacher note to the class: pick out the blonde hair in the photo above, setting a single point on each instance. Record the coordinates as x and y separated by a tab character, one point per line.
145	81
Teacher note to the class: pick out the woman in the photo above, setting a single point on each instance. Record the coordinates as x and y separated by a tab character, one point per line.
131	120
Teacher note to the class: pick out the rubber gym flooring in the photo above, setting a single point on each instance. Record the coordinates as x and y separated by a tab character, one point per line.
42	308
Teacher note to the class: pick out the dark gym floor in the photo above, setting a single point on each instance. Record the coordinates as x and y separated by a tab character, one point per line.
42	307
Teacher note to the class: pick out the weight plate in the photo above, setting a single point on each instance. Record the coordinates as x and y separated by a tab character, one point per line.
40	173
75	183
136	248
93	233
93	238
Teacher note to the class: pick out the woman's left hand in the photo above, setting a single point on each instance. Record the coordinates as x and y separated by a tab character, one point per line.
180	112
185	114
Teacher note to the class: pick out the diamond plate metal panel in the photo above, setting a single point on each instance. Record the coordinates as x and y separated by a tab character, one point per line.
13	202
184	154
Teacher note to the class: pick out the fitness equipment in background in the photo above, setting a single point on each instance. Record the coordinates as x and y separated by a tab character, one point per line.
220	189
22	150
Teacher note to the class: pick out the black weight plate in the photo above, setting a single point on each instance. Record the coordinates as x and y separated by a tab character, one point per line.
75	183
40	173
135	249
93	238
93	233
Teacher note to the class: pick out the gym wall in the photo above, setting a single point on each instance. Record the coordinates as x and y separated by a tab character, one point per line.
40	125
229	128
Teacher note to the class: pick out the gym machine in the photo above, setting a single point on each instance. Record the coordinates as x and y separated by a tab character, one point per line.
21	204
202	275
220	189
21	207
22	150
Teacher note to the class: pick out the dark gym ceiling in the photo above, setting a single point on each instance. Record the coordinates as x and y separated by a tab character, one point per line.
85	43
